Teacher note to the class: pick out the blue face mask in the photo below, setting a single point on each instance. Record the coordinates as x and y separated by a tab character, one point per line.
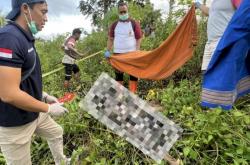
123	17
31	24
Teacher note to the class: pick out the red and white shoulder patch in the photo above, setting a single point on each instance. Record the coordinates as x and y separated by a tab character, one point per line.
5	53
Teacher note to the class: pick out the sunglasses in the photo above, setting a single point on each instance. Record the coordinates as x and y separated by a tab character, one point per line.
122	12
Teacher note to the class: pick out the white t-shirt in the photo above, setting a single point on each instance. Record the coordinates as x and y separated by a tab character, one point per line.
124	40
220	14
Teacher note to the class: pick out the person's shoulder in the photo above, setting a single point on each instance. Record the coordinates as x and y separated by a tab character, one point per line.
11	38
133	20
71	39
7	29
7	33
10	33
114	23
135	23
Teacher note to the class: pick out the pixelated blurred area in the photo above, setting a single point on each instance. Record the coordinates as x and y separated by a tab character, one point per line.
131	117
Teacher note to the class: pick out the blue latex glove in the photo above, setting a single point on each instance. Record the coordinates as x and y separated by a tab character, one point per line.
107	54
197	4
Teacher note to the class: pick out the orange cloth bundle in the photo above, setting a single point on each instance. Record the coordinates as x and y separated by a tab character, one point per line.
164	60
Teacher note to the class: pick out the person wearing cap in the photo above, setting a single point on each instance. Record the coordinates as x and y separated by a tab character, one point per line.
219	15
124	37
24	108
71	54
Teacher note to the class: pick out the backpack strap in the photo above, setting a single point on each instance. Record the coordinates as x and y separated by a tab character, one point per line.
114	24
28	73
133	22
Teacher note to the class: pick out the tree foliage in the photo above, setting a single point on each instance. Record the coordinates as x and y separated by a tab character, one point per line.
2	21
97	9
145	15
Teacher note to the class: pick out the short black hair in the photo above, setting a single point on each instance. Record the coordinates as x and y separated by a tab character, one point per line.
76	31
122	3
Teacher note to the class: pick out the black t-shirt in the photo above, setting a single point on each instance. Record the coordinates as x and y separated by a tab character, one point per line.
17	50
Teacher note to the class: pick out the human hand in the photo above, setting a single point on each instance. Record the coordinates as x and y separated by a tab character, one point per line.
107	54
57	109
197	4
49	99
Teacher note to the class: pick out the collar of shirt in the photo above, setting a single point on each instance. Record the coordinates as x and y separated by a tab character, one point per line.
26	34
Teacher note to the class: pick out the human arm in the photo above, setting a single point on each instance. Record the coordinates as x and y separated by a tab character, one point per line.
74	51
111	36
204	9
236	3
110	43
138	44
107	53
12	58
11	93
138	35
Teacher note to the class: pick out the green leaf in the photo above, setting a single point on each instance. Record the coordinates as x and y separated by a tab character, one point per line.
236	162
238	114
86	115
186	151
210	137
103	161
240	151
248	135
247	119
218	112
213	119
229	142
193	154
229	154
88	159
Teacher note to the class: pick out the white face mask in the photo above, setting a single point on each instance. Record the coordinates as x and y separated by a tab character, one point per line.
31	24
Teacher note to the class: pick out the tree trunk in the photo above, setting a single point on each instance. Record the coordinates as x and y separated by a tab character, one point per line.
171	9
106	5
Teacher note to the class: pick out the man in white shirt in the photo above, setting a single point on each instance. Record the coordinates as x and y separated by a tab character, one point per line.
124	36
219	15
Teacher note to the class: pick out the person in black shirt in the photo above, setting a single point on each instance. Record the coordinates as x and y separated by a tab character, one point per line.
24	108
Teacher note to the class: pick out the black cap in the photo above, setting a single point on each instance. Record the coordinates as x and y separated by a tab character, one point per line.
16	5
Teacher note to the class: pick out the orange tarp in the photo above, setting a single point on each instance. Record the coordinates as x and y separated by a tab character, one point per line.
164	60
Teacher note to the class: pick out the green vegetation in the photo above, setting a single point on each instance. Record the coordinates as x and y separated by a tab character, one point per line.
2	21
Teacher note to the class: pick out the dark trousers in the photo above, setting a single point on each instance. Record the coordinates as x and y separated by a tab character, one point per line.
119	76
69	69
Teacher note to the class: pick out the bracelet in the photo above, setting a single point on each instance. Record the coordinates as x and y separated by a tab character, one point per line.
45	98
45	95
